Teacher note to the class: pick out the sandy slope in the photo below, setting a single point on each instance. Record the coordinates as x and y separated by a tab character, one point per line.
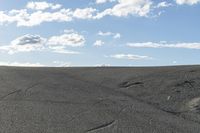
101	100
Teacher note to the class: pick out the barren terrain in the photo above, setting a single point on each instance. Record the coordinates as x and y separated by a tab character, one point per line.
100	100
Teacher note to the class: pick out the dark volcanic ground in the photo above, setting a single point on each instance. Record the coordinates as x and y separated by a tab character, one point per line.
100	100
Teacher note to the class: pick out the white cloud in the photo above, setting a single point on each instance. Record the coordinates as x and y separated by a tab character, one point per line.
188	2
165	45
103	1
128	7
129	57
67	39
39	14
115	35
19	64
86	13
24	18
39	17
56	44
62	50
42	5
99	43
29	40
25	43
163	4
105	33
13	16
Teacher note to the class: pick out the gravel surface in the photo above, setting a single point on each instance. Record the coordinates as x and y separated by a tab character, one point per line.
100	100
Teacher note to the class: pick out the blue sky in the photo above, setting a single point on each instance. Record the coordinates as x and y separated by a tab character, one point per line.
99	32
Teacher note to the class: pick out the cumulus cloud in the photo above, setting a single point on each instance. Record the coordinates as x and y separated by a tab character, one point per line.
99	43
42	5
25	43
25	18
128	7
121	8
165	45
188	2
71	39
29	40
86	13
114	35
56	44
129	57
39	13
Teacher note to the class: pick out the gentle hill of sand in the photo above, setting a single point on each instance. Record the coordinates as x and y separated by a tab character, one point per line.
100	100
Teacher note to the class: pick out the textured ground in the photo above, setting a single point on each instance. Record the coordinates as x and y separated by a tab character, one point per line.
100	100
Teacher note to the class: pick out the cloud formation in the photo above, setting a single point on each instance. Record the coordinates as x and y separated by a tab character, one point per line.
25	18
165	45
28	40
67	39
36	13
25	43
86	13
56	44
42	5
129	57
128	7
114	35
98	43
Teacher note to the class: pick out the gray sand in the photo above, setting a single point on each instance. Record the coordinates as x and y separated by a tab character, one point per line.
100	100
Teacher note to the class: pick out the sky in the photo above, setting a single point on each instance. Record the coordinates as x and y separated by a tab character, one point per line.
66	33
